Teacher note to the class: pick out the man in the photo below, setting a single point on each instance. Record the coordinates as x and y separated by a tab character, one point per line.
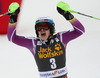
48	49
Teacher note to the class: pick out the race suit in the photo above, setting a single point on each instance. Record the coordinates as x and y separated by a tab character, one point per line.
50	59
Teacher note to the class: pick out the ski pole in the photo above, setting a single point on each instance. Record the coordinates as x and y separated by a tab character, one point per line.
12	8
64	6
83	14
4	14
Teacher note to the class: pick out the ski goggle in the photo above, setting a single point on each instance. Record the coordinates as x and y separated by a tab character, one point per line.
44	26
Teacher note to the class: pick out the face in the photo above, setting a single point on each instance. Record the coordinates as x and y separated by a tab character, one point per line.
43	31
44	34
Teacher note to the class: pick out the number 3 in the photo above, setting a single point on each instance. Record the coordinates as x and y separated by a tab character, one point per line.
53	61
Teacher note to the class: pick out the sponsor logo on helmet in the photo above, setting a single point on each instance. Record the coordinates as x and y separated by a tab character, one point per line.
46	20
41	20
37	21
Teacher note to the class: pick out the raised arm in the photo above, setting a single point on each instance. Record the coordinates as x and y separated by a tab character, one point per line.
78	28
19	40
77	31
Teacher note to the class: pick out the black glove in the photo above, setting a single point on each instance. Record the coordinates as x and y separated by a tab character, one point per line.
66	14
13	16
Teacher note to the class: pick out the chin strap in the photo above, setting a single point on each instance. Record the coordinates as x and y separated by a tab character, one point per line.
50	36
48	39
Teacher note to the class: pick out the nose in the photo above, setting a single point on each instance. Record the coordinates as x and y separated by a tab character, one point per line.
42	29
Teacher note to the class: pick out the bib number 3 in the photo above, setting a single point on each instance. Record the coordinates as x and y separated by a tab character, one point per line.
53	63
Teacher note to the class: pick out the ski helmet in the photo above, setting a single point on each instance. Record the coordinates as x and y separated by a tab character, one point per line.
45	20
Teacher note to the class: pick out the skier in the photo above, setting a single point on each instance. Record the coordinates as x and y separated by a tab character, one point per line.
48	49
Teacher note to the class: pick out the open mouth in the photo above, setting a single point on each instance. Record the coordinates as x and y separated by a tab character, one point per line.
43	34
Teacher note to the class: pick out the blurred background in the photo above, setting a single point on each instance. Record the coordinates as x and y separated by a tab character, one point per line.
82	54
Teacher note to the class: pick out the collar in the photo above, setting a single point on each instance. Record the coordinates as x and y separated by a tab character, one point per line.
48	41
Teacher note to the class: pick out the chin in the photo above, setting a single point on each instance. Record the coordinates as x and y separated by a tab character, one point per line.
43	38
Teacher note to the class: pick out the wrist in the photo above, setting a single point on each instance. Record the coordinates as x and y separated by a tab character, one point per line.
13	19
68	15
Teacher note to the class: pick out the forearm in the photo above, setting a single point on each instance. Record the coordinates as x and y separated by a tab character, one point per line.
12	24
78	27
11	31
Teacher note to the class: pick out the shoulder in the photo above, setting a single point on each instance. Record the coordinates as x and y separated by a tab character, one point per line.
59	34
33	39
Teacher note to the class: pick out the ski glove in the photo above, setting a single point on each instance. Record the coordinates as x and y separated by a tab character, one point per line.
63	8
14	10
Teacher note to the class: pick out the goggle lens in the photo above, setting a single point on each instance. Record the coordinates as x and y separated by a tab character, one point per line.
44	26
